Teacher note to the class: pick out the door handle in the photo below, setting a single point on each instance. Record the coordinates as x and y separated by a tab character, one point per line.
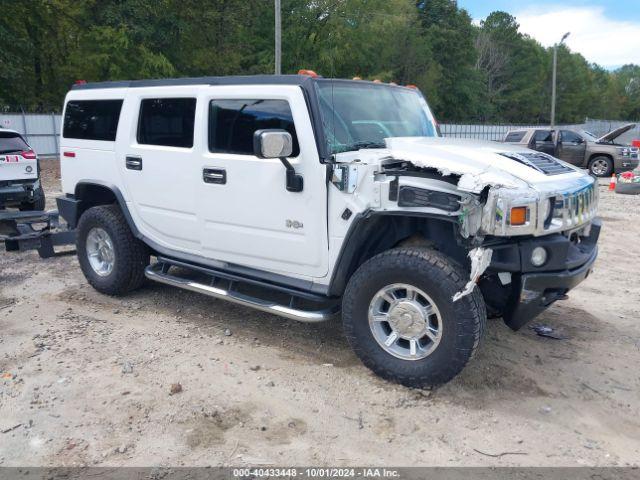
214	175
133	163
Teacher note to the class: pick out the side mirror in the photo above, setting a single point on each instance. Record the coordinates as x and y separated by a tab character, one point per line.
272	143
276	143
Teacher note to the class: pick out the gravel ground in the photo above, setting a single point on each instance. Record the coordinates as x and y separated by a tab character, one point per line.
87	379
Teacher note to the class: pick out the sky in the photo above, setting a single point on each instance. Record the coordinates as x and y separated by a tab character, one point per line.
606	32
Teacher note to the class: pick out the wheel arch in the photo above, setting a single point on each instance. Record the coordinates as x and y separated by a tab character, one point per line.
601	154
91	193
372	233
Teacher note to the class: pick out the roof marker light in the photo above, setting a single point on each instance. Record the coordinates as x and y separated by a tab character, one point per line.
309	73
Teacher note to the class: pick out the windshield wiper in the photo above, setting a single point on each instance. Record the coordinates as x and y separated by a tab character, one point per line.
363	144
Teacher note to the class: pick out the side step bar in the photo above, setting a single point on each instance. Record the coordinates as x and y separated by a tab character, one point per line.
159	272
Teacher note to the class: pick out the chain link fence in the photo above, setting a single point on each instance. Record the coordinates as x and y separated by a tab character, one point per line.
42	130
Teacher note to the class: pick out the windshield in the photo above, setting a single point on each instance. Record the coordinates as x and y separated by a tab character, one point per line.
589	135
360	115
12	142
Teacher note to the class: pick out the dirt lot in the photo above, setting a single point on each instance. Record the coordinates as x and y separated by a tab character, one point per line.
86	378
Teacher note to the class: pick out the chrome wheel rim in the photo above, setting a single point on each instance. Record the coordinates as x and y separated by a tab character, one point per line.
599	166
405	321
100	251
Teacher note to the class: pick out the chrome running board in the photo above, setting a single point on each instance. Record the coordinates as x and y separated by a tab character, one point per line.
159	272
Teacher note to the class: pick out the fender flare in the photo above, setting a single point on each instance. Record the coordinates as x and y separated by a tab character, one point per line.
360	244
71	206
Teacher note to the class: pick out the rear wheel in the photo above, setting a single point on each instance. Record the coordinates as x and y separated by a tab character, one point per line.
601	166
111	258
400	319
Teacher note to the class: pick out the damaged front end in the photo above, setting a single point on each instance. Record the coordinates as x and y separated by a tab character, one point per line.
528	241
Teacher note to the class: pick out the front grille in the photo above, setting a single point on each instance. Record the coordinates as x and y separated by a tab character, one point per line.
573	209
419	197
539	161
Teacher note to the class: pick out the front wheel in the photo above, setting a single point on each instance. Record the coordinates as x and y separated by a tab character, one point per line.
400	319
601	166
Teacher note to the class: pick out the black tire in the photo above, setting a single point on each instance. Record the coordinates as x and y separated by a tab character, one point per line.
131	255
463	322
38	203
599	159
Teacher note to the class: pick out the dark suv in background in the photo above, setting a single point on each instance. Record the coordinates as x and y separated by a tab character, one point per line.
601	155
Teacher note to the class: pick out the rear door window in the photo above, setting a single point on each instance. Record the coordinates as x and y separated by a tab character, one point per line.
92	119
12	142
543	136
167	121
232	124
567	136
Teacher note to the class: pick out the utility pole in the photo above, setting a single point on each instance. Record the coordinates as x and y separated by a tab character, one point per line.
278	39
553	78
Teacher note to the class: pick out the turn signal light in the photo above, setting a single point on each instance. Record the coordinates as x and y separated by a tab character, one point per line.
518	216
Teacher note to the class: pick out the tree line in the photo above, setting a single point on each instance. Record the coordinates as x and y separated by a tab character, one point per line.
489	72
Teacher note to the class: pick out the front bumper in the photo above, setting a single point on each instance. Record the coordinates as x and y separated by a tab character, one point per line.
533	289
625	164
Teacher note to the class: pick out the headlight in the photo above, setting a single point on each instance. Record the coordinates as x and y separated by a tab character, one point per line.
624	151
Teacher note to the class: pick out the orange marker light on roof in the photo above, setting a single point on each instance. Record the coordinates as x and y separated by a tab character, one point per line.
377	80
357	78
80	82
411	85
309	73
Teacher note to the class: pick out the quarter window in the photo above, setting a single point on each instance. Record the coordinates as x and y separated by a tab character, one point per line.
232	124
92	119
167	121
514	136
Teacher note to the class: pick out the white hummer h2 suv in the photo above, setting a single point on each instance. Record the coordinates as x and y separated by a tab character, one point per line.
306	197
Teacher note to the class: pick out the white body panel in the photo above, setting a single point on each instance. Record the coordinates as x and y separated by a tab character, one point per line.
249	220
245	221
94	160
162	196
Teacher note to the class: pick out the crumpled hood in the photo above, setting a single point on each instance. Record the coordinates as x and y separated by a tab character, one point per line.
479	163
